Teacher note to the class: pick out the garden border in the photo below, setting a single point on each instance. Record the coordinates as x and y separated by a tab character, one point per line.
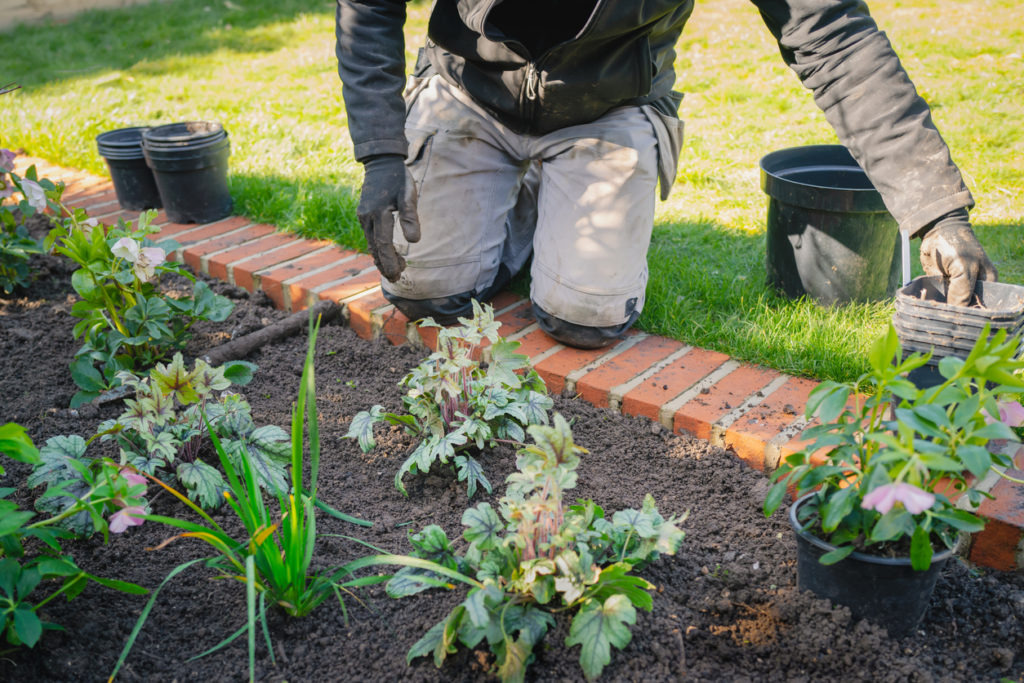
755	412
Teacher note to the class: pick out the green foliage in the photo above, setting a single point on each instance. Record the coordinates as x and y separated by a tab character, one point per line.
16	246
161	434
162	430
126	323
932	443
274	556
31	558
537	558
457	402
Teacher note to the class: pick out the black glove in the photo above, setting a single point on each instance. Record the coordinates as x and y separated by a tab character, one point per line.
950	249
387	190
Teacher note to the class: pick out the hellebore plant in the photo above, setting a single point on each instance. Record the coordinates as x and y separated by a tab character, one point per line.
538	558
126	322
161	432
457	402
16	246
882	473
274	556
30	550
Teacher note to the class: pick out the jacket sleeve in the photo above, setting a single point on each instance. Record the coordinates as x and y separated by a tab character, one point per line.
836	49
371	63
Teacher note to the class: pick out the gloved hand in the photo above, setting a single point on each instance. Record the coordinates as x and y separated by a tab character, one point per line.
950	249
387	189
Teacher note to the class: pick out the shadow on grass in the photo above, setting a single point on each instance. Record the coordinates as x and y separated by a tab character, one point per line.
101	40
310	208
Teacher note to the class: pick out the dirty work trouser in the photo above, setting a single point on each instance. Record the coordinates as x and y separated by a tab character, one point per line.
581	198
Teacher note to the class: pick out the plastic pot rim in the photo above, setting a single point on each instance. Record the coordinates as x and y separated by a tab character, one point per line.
938	556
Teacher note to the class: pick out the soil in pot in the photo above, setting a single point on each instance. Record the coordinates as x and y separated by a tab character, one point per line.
726	608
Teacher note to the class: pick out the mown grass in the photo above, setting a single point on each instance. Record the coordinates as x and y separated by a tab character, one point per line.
267	71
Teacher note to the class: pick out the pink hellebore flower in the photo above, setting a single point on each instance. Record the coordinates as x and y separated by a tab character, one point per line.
1012	413
914	499
132	477
126	517
149	259
6	160
34	194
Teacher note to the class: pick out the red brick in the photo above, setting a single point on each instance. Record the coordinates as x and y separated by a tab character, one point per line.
220	265
516	319
996	546
504	299
300	291
75	183
595	385
428	336
72	196
361	314
535	343
394	326
101	197
352	286
272	279
698	414
749	435
556	367
202	232
194	254
246	273
647	398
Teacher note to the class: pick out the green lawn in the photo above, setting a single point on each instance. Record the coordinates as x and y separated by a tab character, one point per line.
266	70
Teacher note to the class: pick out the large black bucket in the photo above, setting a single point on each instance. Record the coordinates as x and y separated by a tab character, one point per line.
190	164
134	185
829	235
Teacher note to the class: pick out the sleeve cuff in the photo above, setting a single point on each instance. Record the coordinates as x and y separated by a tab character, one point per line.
375	147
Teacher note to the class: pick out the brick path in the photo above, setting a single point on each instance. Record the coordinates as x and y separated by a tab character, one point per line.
755	412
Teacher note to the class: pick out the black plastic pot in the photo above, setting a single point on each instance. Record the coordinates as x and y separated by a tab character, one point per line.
886	591
829	236
133	180
190	164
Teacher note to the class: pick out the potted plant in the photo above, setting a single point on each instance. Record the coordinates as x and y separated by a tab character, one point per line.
881	488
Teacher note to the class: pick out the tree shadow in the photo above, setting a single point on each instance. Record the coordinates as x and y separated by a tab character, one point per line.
116	39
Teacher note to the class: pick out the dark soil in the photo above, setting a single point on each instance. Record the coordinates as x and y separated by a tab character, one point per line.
725	607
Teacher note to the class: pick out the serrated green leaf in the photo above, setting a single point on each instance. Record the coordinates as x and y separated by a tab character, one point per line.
210	306
204	483
361	427
172	379
428	643
483	526
472	472
597	627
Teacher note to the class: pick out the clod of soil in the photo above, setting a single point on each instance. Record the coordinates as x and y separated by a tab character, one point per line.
725	608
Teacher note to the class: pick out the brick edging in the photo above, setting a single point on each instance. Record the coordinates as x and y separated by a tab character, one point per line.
754	411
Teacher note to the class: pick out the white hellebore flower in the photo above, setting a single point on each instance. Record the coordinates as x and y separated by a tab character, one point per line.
126	248
87	225
34	194
149	259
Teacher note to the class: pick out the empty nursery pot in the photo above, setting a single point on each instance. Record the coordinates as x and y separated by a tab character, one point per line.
133	180
829	235
190	164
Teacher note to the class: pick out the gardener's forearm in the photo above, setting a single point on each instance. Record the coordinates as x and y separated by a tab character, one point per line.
838	52
371	63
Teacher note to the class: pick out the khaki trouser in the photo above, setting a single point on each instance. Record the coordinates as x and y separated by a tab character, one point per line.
581	199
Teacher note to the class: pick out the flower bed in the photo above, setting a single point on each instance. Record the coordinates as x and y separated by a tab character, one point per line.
724	607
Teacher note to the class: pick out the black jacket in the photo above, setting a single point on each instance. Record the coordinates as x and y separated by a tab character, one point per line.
624	54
